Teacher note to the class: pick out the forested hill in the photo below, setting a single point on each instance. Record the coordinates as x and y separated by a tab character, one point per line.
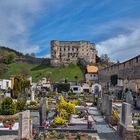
5	50
8	55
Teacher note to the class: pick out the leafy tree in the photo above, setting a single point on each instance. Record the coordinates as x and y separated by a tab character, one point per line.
32	54
105	58
20	83
8	107
63	87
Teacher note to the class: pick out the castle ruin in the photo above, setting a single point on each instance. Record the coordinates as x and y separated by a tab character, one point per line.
66	52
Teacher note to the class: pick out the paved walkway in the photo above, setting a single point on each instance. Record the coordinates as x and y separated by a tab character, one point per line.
103	129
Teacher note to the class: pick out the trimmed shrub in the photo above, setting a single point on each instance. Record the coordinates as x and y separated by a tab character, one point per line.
8	107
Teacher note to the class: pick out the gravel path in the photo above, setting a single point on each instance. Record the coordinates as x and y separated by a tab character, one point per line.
103	129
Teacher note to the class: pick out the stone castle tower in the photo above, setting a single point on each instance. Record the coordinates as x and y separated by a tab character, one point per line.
66	52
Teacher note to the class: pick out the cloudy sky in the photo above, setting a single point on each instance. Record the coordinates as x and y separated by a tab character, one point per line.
113	25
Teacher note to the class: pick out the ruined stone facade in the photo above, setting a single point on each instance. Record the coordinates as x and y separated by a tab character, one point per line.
65	52
128	74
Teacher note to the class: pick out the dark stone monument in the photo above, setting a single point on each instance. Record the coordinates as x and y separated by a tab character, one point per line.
42	112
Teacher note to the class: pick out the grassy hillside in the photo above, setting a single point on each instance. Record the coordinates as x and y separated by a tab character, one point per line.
38	71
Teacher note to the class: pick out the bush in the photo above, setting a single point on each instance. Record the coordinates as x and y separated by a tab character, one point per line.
63	87
21	104
8	107
59	121
64	114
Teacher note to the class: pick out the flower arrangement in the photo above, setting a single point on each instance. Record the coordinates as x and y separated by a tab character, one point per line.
8	122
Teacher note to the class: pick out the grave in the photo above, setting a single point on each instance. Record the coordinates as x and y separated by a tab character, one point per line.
25	125
42	112
108	114
125	127
32	95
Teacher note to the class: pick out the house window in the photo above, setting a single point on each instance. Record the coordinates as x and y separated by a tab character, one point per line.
64	49
60	49
7	84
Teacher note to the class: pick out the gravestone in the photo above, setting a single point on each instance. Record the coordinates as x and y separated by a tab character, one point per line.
32	95
125	128
99	103
25	126
42	111
109	107
126	117
104	103
26	93
138	102
129	97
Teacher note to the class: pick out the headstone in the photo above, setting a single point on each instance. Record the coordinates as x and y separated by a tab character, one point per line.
42	111
109	107
104	103
129	97
32	95
138	102
126	117
26	93
24	125
99	103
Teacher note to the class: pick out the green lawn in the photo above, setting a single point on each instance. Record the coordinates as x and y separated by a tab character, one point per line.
38	71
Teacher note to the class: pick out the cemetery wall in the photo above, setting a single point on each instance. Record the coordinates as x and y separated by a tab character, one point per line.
126	70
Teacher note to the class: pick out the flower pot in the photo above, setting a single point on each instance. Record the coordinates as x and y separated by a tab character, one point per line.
8	123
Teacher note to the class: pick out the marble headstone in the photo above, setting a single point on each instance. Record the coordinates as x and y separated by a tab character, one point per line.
126	117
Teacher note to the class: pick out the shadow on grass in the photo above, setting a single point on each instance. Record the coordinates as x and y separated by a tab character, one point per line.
39	67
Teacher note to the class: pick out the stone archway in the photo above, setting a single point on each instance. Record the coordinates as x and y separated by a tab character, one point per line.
96	91
96	88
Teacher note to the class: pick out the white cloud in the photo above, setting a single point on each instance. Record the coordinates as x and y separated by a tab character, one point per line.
122	46
16	17
46	56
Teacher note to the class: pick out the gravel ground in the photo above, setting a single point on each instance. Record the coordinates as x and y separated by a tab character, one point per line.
10	137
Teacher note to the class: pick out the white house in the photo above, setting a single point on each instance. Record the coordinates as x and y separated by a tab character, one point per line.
91	74
5	84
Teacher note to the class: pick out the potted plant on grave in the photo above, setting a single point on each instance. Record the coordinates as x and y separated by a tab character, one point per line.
8	122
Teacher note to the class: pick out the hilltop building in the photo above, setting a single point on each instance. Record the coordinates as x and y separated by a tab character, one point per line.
66	52
91	74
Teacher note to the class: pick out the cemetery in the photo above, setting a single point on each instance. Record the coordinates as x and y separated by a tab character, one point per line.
29	112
